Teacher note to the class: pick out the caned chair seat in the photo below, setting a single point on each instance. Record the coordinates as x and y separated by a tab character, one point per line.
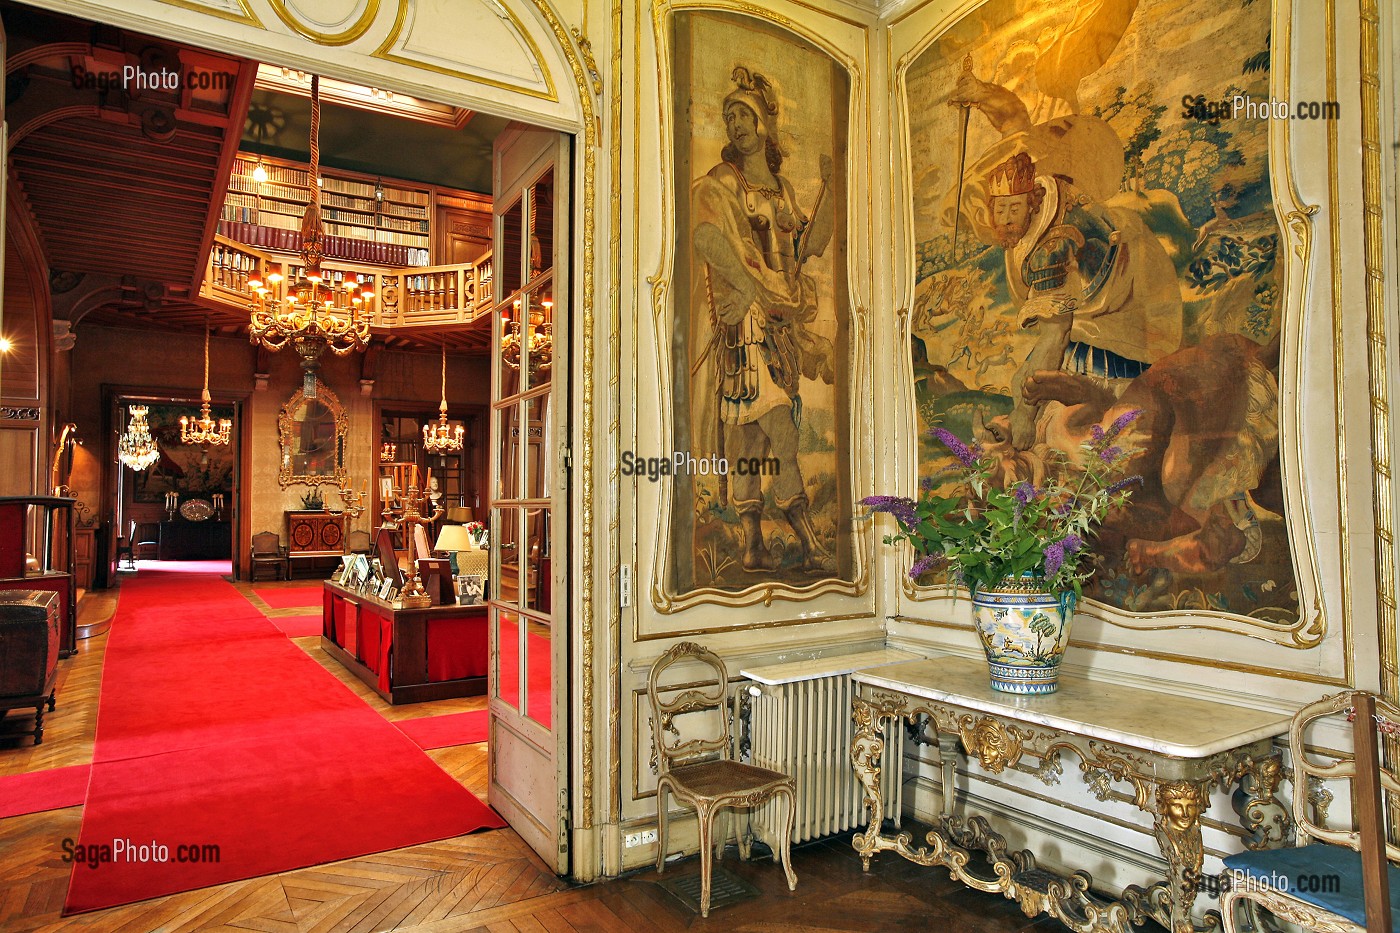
701	771
724	778
1335	880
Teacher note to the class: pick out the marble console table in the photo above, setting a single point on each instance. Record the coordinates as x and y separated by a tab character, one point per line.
1172	750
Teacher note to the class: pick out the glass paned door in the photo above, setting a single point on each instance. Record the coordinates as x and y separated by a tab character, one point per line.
528	490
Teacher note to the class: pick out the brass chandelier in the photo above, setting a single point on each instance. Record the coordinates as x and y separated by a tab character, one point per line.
442	438
204	429
535	336
136	448
308	314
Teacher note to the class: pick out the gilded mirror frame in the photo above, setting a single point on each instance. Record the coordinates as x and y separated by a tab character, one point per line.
285	421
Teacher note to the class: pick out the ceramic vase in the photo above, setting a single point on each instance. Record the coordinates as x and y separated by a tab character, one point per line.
1024	630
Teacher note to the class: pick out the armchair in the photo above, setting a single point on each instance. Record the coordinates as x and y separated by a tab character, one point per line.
701	772
268	551
1334	880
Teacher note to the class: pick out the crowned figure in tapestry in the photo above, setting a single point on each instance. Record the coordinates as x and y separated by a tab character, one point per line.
1095	234
760	343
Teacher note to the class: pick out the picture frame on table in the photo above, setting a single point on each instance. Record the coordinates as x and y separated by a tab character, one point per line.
338	576
386	489
386	587
361	568
471	589
436	574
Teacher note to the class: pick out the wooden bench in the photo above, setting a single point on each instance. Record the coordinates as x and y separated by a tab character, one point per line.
29	643
1338	881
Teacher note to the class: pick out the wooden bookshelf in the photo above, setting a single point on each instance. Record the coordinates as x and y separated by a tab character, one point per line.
359	227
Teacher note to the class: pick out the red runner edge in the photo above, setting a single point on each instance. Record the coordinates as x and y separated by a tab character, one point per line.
467	728
37	791
290	597
225	752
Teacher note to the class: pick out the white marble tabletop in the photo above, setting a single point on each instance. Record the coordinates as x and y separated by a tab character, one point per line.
835	666
1164	723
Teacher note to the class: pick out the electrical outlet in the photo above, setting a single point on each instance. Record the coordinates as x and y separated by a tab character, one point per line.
646	837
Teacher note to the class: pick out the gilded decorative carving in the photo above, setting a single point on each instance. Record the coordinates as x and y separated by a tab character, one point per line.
1254	800
11	413
347	35
585	48
1320	798
994	745
1050	769
1285	908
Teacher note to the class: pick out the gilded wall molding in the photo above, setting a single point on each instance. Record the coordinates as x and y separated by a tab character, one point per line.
308	29
1296	259
237	11
662	599
392	49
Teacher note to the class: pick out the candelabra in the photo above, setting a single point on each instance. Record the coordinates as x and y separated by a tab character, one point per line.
172	502
218	505
353	503
387	452
404	510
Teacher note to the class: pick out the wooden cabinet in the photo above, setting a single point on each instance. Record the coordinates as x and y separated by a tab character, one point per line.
406	655
37	553
315	534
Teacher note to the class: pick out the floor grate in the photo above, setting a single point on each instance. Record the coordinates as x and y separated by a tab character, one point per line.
725	889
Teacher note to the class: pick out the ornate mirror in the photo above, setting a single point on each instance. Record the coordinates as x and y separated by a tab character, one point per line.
312	433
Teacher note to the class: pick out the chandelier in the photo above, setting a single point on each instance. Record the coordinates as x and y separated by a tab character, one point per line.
311	316
536	336
136	448
204	430
441	438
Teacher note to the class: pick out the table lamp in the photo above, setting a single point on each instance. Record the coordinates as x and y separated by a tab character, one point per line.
453	538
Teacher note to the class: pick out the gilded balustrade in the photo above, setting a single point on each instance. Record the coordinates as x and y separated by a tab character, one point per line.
405	297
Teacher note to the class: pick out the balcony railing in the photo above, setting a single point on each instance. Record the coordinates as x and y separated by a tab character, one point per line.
408	297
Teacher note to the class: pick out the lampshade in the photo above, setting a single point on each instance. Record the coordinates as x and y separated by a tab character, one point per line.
454	538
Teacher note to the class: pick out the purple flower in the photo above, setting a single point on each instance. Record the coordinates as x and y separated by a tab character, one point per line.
1121	422
1097	433
1123	483
1110	453
901	507
928	484
960	450
1055	553
926	563
1025	492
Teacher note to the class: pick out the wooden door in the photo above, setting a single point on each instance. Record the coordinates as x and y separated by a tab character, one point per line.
529	492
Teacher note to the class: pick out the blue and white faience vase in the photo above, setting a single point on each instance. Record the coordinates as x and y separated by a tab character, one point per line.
1024	630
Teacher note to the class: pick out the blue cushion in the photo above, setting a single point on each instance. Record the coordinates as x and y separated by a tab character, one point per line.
1326	876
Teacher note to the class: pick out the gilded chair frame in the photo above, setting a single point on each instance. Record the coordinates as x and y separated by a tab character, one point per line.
1386	718
702	773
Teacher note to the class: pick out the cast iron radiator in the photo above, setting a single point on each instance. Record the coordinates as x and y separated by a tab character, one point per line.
804	728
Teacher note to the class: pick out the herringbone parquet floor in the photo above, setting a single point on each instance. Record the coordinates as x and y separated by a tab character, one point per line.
488	881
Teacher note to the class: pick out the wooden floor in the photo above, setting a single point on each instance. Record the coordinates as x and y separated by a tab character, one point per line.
488	881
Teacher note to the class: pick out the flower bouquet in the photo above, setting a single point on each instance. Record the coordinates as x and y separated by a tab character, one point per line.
477	530
1022	552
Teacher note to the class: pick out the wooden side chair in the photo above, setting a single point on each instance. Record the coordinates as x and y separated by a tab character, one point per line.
1334	880
126	548
357	542
269	552
701	772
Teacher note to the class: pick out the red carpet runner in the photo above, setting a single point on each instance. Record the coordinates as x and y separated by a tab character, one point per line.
38	791
214	729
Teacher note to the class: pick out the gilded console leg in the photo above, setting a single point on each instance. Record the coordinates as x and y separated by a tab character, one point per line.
867	746
1176	822
1260	812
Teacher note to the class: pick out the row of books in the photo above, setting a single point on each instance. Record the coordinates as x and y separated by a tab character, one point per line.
336	247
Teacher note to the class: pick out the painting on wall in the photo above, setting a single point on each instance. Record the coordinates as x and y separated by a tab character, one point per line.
760	344
186	469
1095	233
